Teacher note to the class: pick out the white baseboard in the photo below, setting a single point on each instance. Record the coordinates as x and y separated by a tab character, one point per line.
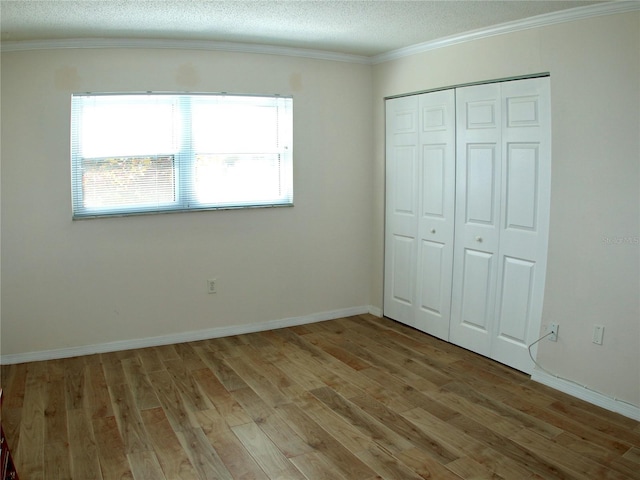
586	394
184	336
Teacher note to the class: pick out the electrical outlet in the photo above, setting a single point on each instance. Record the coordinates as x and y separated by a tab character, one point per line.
211	285
553	330
598	334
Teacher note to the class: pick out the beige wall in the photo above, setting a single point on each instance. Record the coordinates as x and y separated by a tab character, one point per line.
68	284
592	278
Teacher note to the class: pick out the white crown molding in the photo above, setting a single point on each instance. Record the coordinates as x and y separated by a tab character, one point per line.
586	394
609	8
153	43
544	20
182	337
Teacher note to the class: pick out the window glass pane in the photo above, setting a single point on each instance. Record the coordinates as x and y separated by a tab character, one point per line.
222	128
246	179
128	182
129	125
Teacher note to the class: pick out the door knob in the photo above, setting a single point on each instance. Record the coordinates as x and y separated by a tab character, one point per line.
433	230
479	239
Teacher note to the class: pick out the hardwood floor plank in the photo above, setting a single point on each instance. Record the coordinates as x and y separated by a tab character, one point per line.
167	352
329	371
489	418
220	398
413	398
177	412
502	410
269	393
507	447
385	464
143	393
266	454
469	469
367	424
55	412
150	359
98	401
226	375
236	458
318	438
189	356
579	466
409	360
129	421
587	411
301	376
344	432
82	447
405	428
597	453
56	461
465	445
314	466
267	419
173	459
425	465
186	383
29	451
202	455
14	386
633	455
603	425
112	367
111	450
74	382
145	466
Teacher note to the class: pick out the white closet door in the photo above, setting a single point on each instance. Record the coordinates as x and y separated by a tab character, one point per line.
401	209
436	176
477	235
420	186
526	183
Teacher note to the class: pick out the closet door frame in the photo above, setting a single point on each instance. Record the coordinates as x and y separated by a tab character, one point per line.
488	246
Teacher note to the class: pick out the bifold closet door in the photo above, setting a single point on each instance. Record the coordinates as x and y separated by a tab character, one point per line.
420	189
502	215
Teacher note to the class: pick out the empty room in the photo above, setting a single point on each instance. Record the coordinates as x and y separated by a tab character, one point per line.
320	239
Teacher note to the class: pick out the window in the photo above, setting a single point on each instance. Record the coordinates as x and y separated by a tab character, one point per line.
133	153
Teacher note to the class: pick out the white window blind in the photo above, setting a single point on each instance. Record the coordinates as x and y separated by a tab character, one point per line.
146	153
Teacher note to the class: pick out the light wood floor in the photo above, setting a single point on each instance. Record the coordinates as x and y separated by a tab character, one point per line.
355	398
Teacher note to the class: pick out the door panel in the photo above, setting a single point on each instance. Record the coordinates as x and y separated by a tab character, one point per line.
436	221
515	307
402	284
401	209
477	291
477	225
433	185
525	218
404	201
521	188
481	186
432	263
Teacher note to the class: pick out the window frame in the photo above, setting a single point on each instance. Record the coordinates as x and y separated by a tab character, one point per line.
185	156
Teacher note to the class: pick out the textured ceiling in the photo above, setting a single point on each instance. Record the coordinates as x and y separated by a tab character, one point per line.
366	27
